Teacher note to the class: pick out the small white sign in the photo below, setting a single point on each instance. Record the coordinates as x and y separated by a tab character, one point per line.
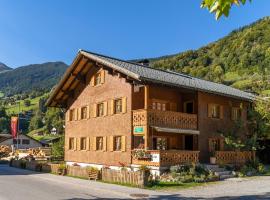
155	157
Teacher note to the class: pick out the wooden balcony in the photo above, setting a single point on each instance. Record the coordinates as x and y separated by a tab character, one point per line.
168	119
166	158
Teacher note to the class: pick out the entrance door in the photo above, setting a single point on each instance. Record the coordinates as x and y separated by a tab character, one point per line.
189	142
189	107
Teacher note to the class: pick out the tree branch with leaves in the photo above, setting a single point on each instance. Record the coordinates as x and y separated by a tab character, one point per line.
221	7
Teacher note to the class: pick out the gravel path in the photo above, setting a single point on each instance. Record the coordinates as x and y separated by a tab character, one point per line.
232	189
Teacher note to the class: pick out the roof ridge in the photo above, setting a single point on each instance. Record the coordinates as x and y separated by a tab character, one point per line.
134	63
98	54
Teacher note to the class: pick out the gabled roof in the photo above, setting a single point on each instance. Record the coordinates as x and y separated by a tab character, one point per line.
147	74
9	136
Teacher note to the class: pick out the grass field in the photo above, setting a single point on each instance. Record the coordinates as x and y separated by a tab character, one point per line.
2	94
41	137
14	109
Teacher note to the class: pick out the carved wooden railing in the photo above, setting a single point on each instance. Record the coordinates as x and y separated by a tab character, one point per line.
233	157
165	158
167	119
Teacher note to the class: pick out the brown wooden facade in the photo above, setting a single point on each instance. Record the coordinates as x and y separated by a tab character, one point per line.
109	115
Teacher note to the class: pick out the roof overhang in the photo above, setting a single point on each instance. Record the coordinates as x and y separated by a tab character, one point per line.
176	130
77	71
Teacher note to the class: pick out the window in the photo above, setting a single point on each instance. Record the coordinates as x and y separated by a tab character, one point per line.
97	79
118	106
214	111
117	143
84	112
72	114
138	142
154	106
99	143
100	109
26	141
15	141
159	106
160	143
71	143
236	113
83	144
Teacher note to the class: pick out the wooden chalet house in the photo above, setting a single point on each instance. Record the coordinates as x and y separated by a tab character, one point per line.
114	107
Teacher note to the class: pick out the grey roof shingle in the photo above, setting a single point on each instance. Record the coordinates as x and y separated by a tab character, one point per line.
145	73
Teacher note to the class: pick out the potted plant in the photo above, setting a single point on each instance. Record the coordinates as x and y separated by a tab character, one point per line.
62	169
213	158
93	173
141	154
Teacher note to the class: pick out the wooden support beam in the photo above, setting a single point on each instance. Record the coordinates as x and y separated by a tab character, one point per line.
146	97
69	93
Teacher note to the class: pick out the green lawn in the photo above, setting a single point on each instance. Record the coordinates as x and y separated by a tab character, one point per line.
14	109
2	94
41	137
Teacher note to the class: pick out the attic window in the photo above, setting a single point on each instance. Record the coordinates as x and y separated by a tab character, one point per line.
98	79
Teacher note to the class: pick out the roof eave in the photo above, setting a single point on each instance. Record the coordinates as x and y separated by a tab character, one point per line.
197	89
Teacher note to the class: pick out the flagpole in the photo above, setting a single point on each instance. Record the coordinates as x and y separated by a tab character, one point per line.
18	127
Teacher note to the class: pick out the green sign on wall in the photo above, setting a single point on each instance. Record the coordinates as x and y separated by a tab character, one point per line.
138	129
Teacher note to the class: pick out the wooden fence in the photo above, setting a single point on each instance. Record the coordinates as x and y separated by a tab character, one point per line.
137	178
234	157
78	171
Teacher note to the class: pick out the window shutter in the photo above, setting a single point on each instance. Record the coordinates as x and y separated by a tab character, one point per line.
111	143
79	113
105	111
221	112
173	107
111	106
87	143
209	112
67	116
232	114
105	143
78	143
123	143
124	104
75	144
94	143
75	110
102	73
88	112
94	110
92	81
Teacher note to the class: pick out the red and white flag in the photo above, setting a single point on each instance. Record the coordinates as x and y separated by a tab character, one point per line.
14	126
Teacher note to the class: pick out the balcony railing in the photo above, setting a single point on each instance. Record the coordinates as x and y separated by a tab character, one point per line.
166	158
167	119
234	157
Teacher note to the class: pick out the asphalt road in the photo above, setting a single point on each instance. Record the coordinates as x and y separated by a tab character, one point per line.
18	184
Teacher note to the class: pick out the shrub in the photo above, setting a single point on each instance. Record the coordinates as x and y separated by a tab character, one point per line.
180	168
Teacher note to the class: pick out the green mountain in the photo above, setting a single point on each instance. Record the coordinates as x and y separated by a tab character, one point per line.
31	77
241	59
3	67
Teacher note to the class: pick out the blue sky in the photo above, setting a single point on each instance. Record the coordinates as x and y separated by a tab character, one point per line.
34	31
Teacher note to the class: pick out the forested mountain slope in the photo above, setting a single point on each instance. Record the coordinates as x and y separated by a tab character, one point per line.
32	77
241	59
